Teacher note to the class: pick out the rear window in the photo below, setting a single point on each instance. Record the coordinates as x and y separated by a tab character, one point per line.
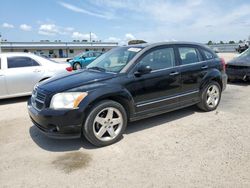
18	62
208	55
189	55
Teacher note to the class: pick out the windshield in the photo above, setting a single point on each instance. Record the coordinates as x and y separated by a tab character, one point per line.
115	59
245	55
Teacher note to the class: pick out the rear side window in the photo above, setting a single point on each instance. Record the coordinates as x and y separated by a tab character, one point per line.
208	55
159	59
18	62
189	55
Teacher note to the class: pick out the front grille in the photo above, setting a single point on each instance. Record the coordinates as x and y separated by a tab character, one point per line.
38	99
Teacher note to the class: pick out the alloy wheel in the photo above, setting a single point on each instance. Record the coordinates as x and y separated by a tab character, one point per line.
213	96
108	124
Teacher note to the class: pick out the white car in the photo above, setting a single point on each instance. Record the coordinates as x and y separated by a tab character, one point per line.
19	73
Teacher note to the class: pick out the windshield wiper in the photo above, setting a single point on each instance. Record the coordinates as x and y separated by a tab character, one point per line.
98	68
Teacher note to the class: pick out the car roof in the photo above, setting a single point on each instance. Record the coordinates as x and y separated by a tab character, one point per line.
143	45
17	53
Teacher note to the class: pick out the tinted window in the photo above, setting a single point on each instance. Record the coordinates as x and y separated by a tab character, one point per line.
17	62
159	59
208	55
189	55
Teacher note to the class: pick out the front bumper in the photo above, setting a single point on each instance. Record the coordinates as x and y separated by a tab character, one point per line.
57	123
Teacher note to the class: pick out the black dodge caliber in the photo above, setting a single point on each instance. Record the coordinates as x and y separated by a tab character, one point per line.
127	84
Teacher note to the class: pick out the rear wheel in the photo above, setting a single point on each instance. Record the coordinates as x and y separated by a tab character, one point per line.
210	97
105	123
77	66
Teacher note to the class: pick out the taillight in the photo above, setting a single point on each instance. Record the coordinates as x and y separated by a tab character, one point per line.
223	64
69	69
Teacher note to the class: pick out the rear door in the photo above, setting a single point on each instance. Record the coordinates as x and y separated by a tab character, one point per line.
22	74
192	69
3	88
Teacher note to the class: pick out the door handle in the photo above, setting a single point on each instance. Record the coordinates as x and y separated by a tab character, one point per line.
174	73
204	67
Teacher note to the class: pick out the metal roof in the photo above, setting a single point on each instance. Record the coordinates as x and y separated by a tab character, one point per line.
61	45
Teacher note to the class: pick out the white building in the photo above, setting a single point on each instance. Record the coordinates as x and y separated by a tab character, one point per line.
56	49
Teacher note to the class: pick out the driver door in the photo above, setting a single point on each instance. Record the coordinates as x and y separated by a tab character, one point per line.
160	87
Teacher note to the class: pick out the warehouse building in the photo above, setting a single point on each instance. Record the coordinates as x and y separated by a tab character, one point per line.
57	48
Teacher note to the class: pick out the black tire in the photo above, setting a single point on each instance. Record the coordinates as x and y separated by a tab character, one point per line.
203	105
77	66
88	127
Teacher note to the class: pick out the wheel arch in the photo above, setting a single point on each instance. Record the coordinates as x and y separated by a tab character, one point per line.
121	97
214	75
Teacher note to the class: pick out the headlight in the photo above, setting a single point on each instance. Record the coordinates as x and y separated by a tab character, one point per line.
69	100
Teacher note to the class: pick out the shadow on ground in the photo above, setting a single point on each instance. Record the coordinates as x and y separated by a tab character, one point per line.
61	145
14	100
239	83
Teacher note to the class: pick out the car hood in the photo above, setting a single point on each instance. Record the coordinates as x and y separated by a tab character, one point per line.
72	80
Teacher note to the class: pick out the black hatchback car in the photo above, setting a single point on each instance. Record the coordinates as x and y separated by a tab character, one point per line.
127	84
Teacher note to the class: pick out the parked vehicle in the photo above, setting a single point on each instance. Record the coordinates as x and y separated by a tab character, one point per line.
83	59
242	48
127	84
19	72
239	68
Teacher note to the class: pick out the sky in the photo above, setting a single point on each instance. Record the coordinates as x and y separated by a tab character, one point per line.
124	20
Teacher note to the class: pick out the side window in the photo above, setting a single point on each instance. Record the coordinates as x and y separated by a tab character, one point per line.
189	55
18	62
97	54
159	59
90	54
208	55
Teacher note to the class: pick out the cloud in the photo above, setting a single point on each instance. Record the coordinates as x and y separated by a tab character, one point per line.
53	30
7	25
83	36
124	41
25	27
106	15
129	37
114	39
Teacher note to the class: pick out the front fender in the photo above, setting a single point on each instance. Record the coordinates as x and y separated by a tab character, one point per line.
105	92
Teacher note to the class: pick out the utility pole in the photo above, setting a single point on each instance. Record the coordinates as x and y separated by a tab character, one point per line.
90	40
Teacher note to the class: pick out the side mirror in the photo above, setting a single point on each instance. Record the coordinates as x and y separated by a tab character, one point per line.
83	57
143	69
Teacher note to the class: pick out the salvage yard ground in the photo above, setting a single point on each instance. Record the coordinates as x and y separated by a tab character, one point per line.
185	148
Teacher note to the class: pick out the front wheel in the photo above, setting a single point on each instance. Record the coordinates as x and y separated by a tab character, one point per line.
210	97
105	123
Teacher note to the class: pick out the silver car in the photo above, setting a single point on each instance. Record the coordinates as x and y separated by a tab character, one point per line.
19	73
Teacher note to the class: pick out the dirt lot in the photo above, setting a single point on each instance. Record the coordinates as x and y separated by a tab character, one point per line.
185	148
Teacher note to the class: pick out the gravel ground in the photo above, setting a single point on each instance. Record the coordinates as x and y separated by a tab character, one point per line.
185	148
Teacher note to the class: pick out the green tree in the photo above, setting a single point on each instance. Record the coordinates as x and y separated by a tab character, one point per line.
210	42
231	42
240	41
221	42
